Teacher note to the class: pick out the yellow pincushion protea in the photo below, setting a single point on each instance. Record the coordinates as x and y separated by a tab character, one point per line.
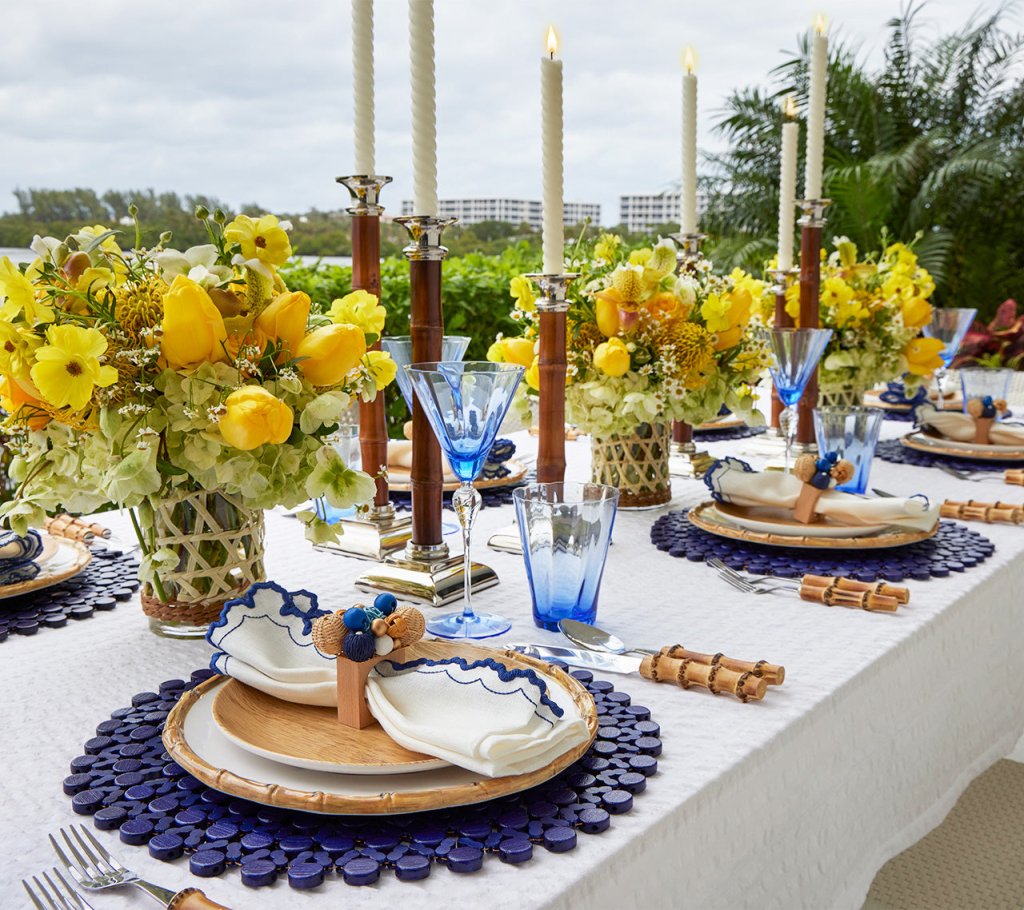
139	306
688	352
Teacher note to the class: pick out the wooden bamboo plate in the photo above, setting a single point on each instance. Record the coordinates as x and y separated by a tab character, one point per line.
197	743
398	479
938	446
60	560
728	422
707	517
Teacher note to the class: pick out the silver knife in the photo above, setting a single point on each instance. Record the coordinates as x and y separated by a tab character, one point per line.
574	657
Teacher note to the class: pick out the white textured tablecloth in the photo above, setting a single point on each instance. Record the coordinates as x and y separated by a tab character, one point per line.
792	803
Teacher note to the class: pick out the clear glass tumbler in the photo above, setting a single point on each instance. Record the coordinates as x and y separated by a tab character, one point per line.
565	529
852	433
978	382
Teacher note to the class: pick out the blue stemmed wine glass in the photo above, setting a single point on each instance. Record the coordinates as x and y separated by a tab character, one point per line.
795	354
465	404
949	325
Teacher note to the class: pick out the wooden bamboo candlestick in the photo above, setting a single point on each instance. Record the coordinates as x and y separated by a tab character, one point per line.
714	677
552	307
772	674
373	430
811	226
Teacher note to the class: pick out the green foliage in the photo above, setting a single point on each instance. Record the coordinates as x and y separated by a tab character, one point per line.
932	145
476	299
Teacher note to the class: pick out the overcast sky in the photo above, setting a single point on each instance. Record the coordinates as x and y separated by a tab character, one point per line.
250	100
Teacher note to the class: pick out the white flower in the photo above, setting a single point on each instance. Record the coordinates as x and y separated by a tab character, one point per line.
198	264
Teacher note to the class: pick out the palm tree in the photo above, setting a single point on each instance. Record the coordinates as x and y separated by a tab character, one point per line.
931	147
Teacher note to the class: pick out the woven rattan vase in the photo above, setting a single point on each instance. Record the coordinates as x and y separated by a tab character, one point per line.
841	396
219	543
637	465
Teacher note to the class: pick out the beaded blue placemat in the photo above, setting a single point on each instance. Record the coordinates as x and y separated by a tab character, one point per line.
893	450
127	782
727	433
110	578
954	548
490	496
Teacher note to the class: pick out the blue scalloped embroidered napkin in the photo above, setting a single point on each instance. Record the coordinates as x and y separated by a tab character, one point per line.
18	555
478	715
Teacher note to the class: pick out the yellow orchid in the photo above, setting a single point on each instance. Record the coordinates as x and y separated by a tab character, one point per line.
835	291
262	238
382	368
917	312
793	303
607	247
521	290
361	309
86	235
847	251
849	311
628	282
898	285
641	257
17	346
726	316
922	355
68	369
20	297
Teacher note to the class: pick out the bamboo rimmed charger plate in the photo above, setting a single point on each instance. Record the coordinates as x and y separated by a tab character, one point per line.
60	560
713	518
722	423
197	742
922	442
400	482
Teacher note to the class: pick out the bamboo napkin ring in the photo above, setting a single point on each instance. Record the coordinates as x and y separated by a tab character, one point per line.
992	512
1014	476
901	593
985	411
772	674
816	476
686	672
73	528
834	596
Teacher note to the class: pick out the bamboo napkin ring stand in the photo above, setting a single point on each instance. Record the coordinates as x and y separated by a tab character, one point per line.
984	411
816	475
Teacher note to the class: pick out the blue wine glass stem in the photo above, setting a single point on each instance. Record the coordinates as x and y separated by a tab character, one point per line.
466	502
789	419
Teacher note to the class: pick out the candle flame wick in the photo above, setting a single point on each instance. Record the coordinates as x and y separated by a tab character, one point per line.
552	41
689	60
820	23
789	107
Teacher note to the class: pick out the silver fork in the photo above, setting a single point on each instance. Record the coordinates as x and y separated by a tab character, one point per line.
94	869
51	897
976	476
771	585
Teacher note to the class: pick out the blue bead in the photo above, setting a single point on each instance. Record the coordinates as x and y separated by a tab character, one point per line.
617	802
136	831
296	844
465	859
412	868
335	843
166	846
560	840
207	863
361	871
259	873
223	830
76	783
358	646
386	603
303	876
516	850
355	620
87	801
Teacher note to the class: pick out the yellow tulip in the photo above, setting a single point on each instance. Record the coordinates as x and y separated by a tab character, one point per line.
284	321
193	328
532	375
608	313
917	312
517	350
611	357
255	417
923	355
328	354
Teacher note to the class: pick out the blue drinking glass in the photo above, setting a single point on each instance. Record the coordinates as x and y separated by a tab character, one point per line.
852	433
949	325
565	529
979	382
795	354
453	347
465	404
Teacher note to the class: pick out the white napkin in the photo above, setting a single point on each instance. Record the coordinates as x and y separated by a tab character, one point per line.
400	459
18	555
732	480
264	640
478	715
958	426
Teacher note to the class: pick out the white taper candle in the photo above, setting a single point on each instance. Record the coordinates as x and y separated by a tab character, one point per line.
553	233
362	84
688	185
424	110
787	185
816	111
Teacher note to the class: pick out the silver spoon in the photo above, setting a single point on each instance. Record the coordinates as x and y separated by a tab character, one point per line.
594	639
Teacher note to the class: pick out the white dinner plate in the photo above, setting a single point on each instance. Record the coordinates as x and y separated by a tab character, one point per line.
923	441
60	560
781	522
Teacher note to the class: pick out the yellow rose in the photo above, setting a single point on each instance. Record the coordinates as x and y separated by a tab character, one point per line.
193	328
360	308
923	355
284	321
532	375
328	354
607	310
521	288
255	417
917	312
611	357
381	367
517	350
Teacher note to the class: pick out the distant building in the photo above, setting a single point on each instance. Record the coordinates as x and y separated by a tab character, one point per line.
513	211
639	213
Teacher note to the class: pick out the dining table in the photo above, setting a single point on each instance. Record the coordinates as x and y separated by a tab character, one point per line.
795	801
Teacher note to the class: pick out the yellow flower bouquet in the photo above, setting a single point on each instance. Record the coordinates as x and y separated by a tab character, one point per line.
143	377
646	345
876	307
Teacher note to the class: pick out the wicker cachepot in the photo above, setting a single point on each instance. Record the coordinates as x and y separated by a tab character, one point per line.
219	543
637	465
842	396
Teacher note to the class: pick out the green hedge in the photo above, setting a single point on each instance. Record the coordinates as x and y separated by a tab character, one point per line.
475	295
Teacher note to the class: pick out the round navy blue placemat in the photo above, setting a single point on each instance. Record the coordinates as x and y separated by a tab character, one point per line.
900	416
954	548
893	450
490	496
127	782
111	577
727	433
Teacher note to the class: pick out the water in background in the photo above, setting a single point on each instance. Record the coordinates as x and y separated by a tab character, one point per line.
21	255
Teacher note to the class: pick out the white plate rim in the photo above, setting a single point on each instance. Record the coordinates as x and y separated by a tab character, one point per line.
968	449
51	570
781	530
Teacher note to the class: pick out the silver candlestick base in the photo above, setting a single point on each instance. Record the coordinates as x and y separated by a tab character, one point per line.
365	191
425	233
553	289
507	540
782	279
689	250
814	212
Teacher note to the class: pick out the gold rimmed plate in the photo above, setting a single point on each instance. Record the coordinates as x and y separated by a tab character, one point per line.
400	482
60	560
935	445
197	742
708	516
728	422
